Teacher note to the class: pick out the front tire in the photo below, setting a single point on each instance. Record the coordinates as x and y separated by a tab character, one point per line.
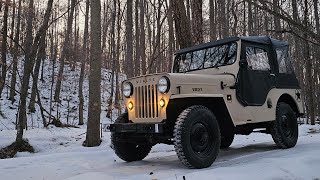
226	141
284	129
197	137
128	151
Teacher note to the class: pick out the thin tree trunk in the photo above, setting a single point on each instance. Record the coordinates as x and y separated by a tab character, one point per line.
15	57
12	22
137	42
41	55
212	16
316	15
83	63
277	19
171	35
25	81
142	38
309	79
65	52
129	41
117	65
3	64
250	19
113	56
224	24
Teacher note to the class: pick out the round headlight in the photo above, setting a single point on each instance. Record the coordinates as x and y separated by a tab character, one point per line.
164	84
127	89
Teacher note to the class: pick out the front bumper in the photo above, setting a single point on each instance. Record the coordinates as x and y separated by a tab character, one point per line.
137	128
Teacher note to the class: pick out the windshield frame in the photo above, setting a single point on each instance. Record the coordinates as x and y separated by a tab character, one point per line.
176	62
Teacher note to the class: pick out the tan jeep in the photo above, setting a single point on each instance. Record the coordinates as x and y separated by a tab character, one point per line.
215	90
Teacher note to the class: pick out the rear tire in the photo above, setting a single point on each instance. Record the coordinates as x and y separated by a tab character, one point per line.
197	137
226	141
128	151
284	129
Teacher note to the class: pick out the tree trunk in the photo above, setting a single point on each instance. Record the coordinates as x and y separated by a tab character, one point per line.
212	16
117	64
309	78
25	81
171	35
65	52
3	64
113	57
129	41
41	55
224	21
250	19
196	11
137	42
94	110
316	15
142	38
182	25
83	63
15	57
12	23
277	24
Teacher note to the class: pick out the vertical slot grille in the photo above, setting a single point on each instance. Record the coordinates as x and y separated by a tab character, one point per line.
146	99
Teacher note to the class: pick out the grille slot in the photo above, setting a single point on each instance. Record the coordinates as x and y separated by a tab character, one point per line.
146	99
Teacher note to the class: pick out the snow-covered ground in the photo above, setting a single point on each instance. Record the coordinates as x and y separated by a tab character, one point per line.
59	155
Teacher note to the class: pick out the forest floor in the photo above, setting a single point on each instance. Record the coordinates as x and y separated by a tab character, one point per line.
59	154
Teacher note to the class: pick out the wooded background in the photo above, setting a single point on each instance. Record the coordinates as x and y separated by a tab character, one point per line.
137	37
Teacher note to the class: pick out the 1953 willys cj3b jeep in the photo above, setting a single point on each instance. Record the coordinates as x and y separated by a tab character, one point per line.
215	90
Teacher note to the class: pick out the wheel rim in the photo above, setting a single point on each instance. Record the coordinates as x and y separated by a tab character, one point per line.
287	125
201	139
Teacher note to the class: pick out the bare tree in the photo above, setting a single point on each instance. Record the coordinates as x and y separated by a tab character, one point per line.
40	56
182	25
15	56
94	110
65	51
142	37
129	40
212	17
197	21
83	62
3	64
137	42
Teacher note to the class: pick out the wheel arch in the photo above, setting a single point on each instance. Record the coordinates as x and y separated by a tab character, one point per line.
288	99
216	104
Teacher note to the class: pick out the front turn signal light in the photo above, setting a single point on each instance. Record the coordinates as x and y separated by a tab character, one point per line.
162	103
130	105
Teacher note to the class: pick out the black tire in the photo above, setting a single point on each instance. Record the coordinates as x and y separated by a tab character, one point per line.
128	151
197	137
284	129
226	141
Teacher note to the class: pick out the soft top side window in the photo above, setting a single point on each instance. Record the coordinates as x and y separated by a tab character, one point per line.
257	58
284	61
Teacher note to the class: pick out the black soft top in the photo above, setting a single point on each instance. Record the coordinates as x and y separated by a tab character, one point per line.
254	39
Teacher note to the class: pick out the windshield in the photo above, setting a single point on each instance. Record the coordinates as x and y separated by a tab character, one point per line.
205	58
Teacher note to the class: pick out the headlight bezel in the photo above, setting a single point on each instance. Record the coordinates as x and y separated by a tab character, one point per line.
127	95
167	85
